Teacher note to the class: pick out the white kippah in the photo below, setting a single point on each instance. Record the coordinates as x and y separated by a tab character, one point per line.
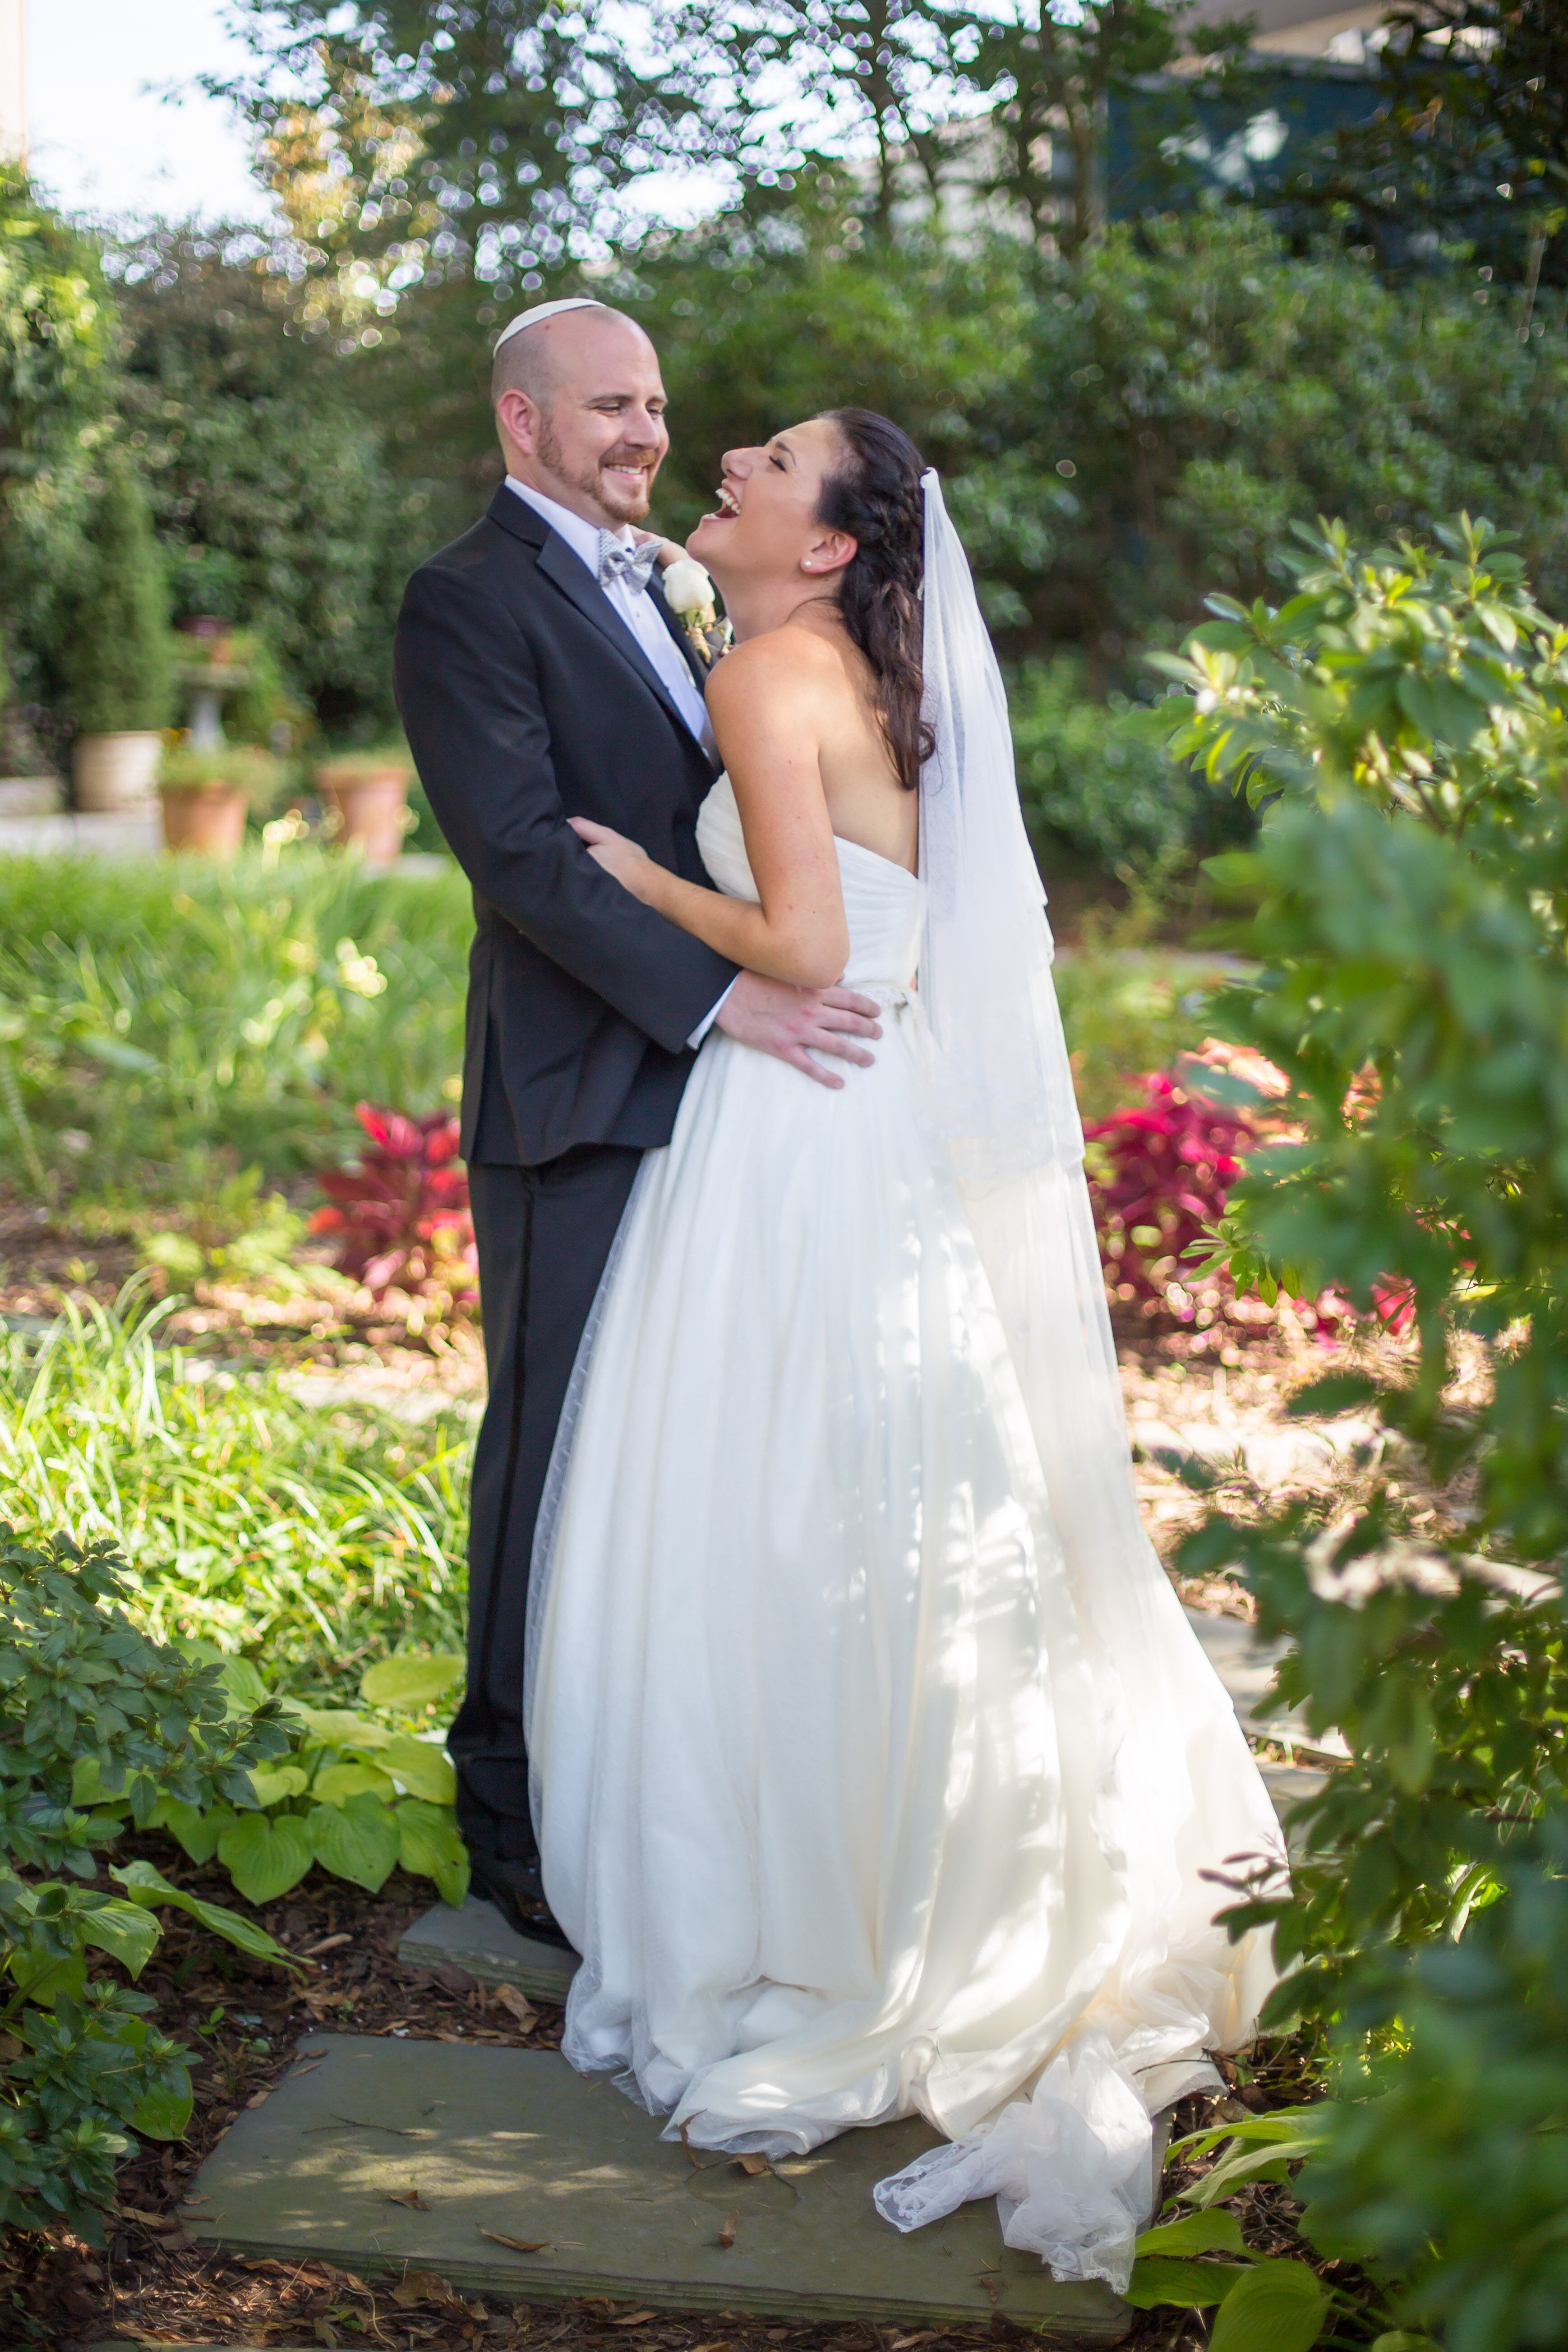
546	311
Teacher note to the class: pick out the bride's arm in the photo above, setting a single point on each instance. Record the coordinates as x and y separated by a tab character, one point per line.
764	710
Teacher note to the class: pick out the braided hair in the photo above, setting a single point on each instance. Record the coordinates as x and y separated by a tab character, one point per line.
875	495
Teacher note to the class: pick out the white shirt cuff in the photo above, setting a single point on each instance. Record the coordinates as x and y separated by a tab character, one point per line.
707	1019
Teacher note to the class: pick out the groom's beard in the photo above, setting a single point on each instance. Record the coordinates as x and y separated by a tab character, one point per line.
626	502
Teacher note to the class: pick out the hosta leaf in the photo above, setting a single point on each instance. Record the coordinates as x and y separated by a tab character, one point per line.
1274	2307
425	1769
334	1784
198	1832
124	1930
145	1884
359	1841
409	1682
1161	2278
266	1854
273	1783
431	1847
339	1727
1195	2233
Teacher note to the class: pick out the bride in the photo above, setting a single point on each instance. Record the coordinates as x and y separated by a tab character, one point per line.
876	1769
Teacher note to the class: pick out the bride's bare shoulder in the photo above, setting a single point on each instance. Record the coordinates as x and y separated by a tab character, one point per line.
789	664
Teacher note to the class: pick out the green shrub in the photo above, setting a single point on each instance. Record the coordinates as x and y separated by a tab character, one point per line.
83	1693
1405	718
1092	774
117	661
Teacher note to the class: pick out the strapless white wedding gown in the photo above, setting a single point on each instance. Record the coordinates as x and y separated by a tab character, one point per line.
830	1775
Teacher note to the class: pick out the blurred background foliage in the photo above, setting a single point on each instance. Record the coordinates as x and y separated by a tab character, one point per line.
1130	413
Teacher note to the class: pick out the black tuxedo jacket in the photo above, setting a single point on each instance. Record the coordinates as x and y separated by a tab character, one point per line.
527	701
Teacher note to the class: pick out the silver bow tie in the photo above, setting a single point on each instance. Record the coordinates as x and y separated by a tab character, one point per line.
634	565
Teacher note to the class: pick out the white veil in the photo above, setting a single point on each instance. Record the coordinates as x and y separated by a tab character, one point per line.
1071	2165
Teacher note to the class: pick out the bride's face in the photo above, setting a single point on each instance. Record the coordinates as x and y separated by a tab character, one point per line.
765	527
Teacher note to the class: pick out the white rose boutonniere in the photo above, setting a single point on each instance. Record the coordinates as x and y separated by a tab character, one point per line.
688	592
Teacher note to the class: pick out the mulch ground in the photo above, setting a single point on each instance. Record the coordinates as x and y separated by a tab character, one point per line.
242	2022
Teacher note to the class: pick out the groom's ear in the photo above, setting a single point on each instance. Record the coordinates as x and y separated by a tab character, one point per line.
518	420
832	553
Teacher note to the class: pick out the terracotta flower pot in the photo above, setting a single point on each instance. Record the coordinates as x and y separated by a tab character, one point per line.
208	822
116	771
370	805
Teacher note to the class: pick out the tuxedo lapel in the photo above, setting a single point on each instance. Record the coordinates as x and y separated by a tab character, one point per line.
567	572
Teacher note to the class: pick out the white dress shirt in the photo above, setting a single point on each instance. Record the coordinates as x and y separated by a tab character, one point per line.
636	609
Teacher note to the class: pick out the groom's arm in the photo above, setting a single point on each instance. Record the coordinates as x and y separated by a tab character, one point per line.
470	703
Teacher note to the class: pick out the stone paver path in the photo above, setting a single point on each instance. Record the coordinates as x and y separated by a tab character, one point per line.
504	2170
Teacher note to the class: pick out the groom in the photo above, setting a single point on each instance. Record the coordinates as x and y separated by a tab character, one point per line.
540	677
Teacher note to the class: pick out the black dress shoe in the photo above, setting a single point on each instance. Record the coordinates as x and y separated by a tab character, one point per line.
517	1890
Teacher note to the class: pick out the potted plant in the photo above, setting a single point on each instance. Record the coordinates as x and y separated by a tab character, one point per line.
364	798
116	665
208	793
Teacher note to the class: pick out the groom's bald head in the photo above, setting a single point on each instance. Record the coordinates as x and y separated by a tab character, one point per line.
535	359
579	406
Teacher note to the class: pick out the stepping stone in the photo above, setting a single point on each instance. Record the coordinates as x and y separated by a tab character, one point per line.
478	1938
537	2182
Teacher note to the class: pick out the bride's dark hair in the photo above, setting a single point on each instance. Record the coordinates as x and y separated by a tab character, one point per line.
876	496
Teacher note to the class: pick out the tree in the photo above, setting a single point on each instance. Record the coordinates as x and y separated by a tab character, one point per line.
410	138
1048	72
117	659
56	350
1469	145
266	461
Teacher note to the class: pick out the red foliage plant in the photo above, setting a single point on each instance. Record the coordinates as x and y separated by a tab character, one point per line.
401	1215
1158	1174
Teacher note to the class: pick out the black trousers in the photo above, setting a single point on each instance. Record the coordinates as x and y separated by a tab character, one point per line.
543	1236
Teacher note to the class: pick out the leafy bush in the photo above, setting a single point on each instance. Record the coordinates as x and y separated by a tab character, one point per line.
255	1522
345	1790
116	659
401	1215
1405	715
80	2066
1090	774
157	1029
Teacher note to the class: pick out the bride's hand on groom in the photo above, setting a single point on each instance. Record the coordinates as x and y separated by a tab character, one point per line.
796	1024
630	864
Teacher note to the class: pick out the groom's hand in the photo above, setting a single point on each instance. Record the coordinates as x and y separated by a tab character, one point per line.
796	1024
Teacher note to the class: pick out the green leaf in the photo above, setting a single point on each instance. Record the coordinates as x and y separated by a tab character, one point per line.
1195	2233
266	1854
1274	2307
431	1847
359	1841
334	1784
1159	2278
146	1886
165	2111
409	1682
337	1727
196	1831
425	1769
124	1930
273	1783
